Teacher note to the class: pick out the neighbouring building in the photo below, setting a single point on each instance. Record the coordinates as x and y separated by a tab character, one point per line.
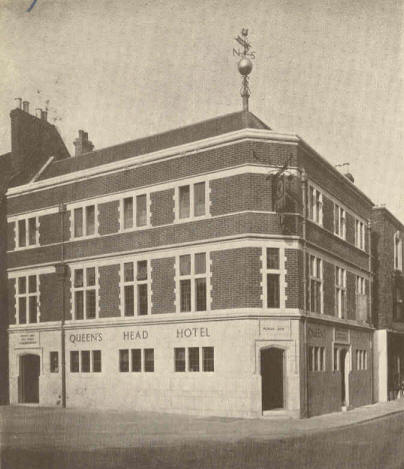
221	268
34	141
388	301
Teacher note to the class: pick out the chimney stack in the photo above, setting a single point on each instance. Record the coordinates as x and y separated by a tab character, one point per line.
25	106
82	144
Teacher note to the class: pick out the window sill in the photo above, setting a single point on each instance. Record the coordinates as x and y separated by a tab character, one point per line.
135	228
82	238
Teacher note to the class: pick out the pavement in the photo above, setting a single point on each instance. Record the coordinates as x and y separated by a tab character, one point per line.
36	427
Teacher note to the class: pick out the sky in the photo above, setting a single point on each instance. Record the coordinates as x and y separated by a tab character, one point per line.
330	71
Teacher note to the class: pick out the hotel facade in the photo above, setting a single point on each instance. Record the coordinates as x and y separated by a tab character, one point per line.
217	269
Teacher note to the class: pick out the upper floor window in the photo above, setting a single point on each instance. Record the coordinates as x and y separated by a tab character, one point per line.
339	221
192	200
27	299
398	251
134	212
136	288
316	284
360	234
361	299
340	292
315	205
398	302
273	277
360	285
84	221
192	282
85	293
27	232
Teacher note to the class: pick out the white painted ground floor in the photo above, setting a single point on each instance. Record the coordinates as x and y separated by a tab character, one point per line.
389	365
240	365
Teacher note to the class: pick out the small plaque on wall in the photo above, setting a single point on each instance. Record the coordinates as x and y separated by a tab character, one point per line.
28	339
341	336
276	329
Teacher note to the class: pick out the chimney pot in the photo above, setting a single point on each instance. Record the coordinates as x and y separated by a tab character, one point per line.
44	115
19	102
25	106
350	177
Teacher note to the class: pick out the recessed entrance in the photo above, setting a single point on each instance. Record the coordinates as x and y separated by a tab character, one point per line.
272	378
29	379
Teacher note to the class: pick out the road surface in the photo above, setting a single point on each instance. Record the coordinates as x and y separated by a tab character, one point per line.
38	438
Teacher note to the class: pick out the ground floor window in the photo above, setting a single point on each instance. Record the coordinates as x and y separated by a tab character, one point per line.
316	358
131	359
198	358
85	361
361	360
54	362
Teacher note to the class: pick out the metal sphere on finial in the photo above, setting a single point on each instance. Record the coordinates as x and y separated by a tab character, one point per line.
245	66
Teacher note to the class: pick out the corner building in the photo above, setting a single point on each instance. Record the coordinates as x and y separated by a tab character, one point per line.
217	269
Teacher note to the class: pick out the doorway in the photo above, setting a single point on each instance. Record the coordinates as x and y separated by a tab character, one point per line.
29	379
272	378
344	364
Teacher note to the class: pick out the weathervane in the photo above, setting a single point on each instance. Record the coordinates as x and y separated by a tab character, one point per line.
244	65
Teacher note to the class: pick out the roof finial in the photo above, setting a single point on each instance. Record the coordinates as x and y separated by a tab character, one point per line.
244	65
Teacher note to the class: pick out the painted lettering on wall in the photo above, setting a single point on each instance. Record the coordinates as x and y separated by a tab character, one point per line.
193	332
28	338
341	335
275	329
85	337
135	335
316	332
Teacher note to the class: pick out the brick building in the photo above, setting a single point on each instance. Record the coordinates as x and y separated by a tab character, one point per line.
33	142
388	302
220	268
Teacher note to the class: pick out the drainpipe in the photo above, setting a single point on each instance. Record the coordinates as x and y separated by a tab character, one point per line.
62	276
370	305
303	177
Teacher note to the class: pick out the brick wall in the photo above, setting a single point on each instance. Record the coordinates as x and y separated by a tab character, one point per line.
68	295
12	290
50	297
108	217
109	291
333	245
149	238
294	278
335	185
241	192
11	236
236	278
383	229
186	166
350	229
350	293
49	229
329	288
328	214
162	207
163	285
